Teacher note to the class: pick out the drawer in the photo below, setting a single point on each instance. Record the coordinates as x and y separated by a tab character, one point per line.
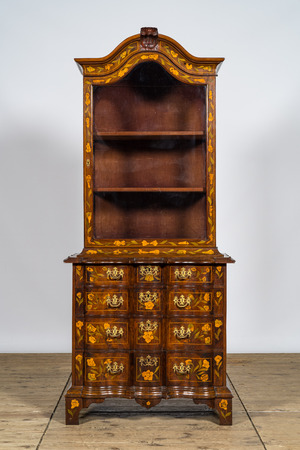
148	274
108	369
107	301
189	369
148	300
107	274
107	333
189	332
148	333
187	301
190	274
148	369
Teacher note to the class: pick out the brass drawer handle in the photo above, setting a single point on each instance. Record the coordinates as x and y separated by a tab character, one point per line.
183	274
182	369
182	301
115	274
182	333
114	368
114	301
114	332
148	326
145	297
148	361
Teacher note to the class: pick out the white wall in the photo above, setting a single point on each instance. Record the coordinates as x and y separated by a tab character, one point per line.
257	156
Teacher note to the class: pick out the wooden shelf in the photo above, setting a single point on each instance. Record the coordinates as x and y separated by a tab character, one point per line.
148	135
150	189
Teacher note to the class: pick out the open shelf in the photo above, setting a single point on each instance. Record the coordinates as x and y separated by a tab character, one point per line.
150	189
136	215
118	135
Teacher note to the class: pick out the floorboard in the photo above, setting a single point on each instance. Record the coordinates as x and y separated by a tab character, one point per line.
266	415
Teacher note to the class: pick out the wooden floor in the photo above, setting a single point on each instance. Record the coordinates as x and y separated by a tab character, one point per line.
266	390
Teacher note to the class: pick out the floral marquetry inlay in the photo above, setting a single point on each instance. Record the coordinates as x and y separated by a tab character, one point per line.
148	369
148	332
100	333
195	368
149	273
193	333
102	368
201	301
148	300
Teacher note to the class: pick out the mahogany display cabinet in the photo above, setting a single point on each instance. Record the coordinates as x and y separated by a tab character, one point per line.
149	287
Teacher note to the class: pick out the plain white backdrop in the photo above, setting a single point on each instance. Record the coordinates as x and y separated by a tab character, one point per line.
258	156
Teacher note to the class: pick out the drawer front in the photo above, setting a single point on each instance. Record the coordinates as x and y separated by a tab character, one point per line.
107	274
191	274
148	369
148	300
108	369
107	333
189	369
189	332
190	301
148	333
107	301
148	274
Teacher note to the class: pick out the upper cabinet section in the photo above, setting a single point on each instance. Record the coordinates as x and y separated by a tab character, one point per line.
149	149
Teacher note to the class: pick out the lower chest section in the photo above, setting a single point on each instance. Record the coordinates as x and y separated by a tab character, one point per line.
149	325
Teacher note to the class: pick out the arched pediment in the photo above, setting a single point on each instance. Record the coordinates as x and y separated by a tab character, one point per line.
149	46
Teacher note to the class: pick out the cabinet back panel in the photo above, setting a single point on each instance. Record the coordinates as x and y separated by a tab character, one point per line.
150	163
159	103
171	215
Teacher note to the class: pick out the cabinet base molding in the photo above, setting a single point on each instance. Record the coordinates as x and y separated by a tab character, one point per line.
217	399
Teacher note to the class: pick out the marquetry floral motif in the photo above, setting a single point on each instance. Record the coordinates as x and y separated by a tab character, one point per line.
79	335
100	301
147	300
119	70
223	405
95	273
201	274
219	271
79	273
105	368
149	273
218	363
194	333
218	298
102	69
78	366
79	298
218	325
182	61
200	302
74	404
101	333
149	374
197	368
148	332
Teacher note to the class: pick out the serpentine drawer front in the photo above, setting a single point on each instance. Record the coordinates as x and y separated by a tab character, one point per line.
149	286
